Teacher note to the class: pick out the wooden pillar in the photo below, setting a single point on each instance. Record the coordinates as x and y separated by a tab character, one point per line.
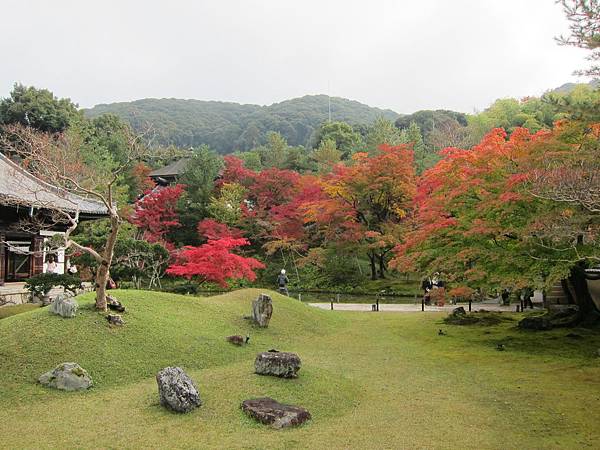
2	258
37	259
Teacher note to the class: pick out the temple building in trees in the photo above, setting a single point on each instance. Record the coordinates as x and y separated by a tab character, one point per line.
171	173
30	214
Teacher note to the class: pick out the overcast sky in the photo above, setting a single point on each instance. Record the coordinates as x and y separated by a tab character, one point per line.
403	55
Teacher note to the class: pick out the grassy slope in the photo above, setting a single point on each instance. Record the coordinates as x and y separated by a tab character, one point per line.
7	311
370	380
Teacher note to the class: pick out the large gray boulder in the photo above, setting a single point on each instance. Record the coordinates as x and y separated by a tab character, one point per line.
177	391
277	364
64	306
277	415
67	376
262	310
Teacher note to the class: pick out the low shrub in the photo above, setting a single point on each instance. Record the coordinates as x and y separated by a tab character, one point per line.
40	285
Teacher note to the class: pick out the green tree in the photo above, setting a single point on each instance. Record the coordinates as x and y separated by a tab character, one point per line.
227	207
423	157
251	159
275	152
38	108
199	178
383	131
584	18
326	156
346	139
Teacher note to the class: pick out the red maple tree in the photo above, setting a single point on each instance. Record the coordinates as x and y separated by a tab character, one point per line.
215	261
155	213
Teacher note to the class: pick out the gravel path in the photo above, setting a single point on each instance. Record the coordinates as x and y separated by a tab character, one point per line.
411	307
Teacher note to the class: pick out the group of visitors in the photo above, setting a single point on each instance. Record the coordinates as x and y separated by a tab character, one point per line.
525	295
52	265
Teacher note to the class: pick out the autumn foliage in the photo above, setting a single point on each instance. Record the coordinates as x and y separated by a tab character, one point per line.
155	213
365	203
215	261
513	211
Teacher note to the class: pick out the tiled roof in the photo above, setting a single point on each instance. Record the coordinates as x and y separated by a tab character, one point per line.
17	186
174	169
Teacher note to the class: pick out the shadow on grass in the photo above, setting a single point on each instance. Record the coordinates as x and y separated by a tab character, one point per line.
500	331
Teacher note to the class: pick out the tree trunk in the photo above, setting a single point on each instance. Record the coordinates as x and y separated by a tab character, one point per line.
101	280
382	267
103	272
372	262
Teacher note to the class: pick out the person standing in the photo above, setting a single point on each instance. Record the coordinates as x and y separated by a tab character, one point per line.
52	265
427	286
505	297
282	281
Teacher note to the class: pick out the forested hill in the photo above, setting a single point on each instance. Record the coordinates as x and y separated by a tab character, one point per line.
228	127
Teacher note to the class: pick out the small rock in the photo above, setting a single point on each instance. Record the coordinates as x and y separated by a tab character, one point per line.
262	310
177	391
459	311
237	339
67	376
63	306
277	364
114	304
115	319
277	415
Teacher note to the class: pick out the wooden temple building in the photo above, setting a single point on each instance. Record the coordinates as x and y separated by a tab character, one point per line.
23	251
171	173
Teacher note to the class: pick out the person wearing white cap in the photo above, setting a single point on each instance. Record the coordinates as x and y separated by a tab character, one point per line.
282	281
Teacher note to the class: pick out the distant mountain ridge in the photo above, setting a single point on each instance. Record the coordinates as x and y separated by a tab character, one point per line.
568	87
228	126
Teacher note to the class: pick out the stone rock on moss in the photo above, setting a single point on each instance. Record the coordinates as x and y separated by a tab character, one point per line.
63	306
460	311
277	415
278	364
262	310
538	323
565	316
114	305
177	391
67	376
115	319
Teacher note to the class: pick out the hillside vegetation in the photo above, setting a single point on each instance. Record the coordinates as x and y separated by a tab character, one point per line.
369	380
228	127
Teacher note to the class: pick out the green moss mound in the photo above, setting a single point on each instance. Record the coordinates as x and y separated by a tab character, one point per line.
7	311
370	380
483	318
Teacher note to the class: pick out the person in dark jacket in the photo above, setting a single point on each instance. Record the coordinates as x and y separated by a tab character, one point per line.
282	281
505	297
427	286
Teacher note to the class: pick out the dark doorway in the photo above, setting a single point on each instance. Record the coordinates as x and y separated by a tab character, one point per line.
18	261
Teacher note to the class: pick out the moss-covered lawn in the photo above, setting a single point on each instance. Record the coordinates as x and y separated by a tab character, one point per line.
370	380
7	311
